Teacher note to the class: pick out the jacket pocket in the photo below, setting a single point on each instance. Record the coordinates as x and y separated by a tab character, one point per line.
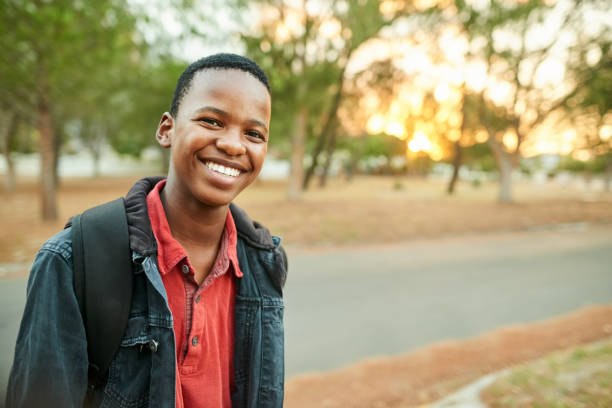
130	371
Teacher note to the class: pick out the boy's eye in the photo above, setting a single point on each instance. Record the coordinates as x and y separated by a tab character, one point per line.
211	121
255	134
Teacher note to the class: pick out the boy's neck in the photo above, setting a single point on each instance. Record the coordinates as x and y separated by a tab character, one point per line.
191	224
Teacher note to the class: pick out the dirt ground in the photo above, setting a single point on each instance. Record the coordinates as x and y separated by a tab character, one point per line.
430	373
342	214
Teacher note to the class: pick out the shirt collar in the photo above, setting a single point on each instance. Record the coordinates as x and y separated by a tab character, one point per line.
232	240
169	251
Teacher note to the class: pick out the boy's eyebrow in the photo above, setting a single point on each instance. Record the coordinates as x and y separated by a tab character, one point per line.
211	108
221	112
259	123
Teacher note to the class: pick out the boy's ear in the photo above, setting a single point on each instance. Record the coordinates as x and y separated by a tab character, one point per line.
165	130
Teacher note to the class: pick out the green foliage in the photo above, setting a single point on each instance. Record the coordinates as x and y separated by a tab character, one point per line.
294	85
373	146
568	163
590	105
104	83
77	56
479	157
419	165
596	89
382	145
598	164
595	165
140	104
26	141
306	70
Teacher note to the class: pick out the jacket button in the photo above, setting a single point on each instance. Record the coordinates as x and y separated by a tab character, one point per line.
185	269
194	341
152	344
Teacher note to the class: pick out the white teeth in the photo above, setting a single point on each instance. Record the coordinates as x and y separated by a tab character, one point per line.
228	171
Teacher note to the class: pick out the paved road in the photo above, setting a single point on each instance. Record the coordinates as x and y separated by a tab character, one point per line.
343	306
346	305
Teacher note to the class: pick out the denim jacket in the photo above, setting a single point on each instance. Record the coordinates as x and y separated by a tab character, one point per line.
50	365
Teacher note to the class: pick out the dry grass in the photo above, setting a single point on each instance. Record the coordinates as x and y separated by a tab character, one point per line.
370	210
579	377
367	210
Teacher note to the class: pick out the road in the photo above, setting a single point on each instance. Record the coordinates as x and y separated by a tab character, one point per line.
343	306
349	304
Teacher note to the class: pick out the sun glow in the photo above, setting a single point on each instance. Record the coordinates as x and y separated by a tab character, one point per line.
375	124
442	92
396	129
419	142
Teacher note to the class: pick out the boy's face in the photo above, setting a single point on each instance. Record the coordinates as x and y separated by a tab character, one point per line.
219	137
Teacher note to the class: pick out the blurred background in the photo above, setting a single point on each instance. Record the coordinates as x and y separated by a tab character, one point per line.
440	171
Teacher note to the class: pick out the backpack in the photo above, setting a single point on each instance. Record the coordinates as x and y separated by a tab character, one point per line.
103	286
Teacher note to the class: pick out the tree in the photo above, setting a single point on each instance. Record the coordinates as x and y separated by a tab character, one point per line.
306	49
144	96
56	49
503	39
9	123
366	93
590	105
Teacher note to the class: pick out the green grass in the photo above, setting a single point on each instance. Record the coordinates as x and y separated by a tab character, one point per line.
581	377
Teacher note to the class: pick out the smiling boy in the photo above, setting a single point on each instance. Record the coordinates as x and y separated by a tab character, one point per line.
205	326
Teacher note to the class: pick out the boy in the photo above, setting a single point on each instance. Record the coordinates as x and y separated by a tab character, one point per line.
205	325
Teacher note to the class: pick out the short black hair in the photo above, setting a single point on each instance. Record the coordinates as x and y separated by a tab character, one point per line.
215	61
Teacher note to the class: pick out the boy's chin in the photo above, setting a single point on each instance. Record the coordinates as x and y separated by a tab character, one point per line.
217	199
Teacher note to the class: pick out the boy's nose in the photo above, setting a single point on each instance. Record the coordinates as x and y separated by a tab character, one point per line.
231	144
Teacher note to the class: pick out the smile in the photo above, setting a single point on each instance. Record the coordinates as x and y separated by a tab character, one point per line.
218	168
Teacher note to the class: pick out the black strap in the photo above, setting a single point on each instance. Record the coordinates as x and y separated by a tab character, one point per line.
102	282
77	260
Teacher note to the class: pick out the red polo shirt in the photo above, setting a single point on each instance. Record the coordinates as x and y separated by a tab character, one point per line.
203	314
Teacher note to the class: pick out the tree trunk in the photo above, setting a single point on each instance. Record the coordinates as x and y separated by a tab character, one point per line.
48	161
505	179
57	145
351	168
328	127
96	146
321	141
298	142
456	166
608	173
331	148
9	133
95	155
504	165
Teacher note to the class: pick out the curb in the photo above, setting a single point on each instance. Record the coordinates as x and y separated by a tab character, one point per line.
469	396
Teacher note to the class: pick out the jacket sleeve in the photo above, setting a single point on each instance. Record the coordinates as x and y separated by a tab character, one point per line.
50	364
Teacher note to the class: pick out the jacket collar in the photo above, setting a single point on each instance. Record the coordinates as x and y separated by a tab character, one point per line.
142	239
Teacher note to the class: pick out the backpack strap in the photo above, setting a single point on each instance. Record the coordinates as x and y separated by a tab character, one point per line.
102	283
